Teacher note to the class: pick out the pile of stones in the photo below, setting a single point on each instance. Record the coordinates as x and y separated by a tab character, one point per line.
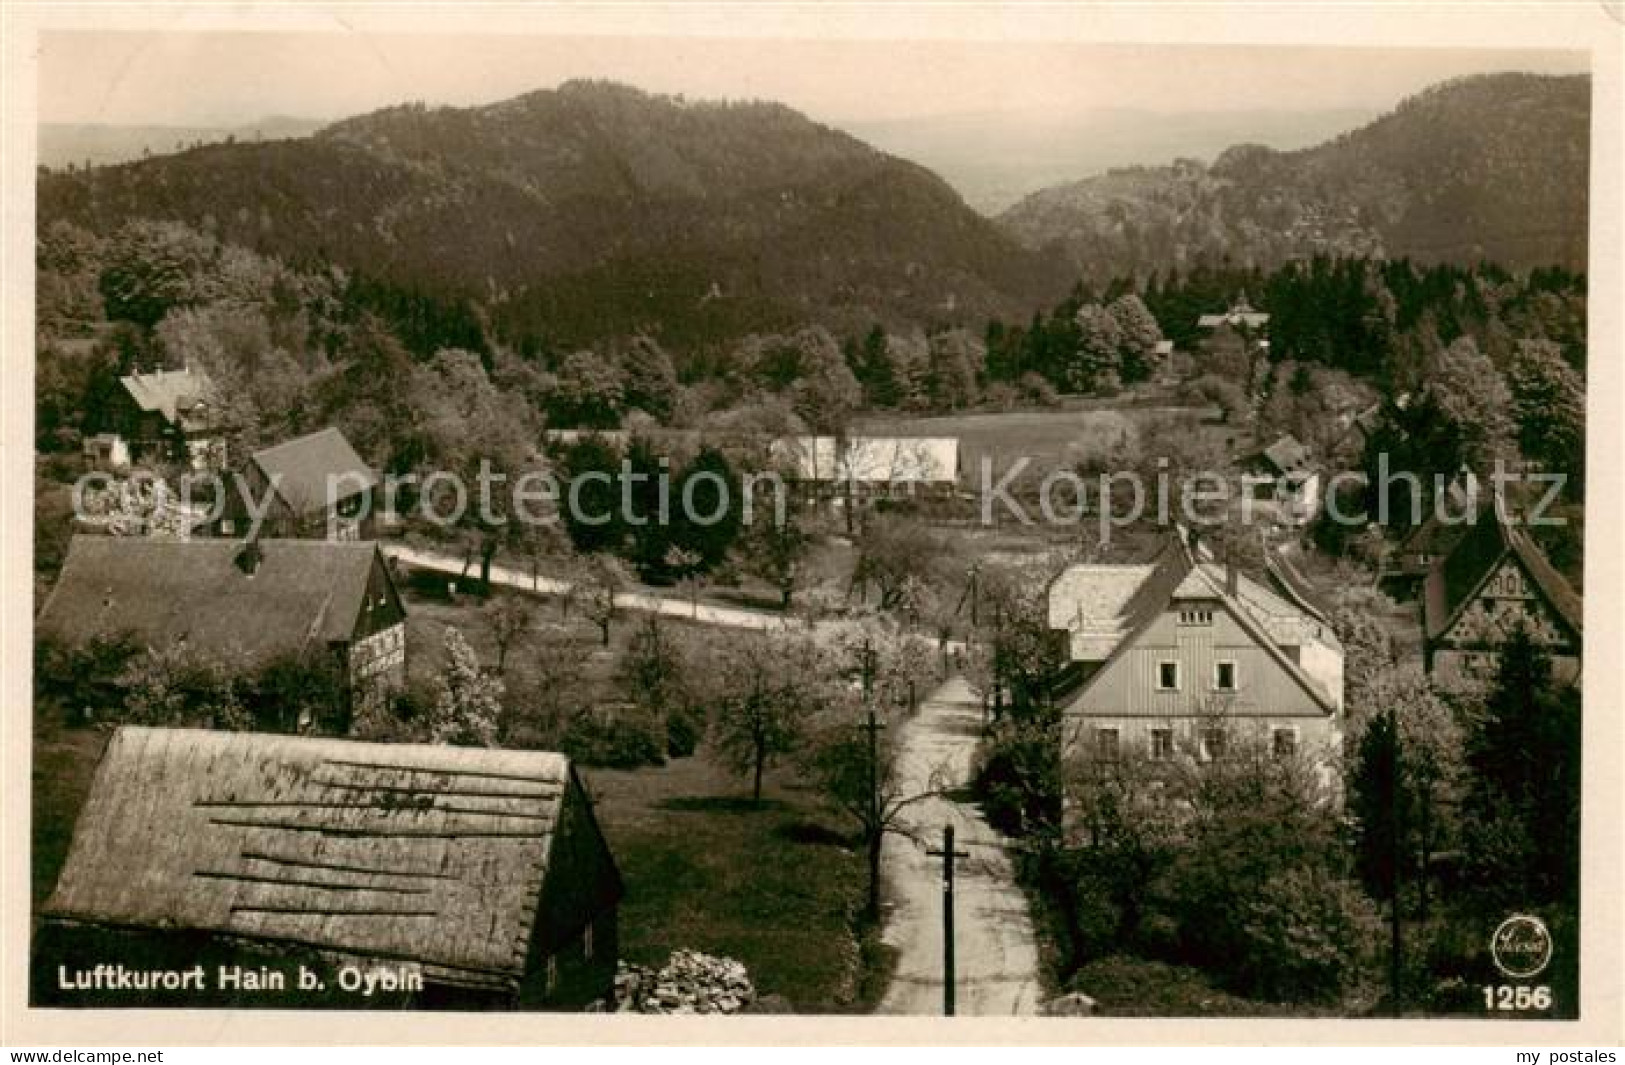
690	982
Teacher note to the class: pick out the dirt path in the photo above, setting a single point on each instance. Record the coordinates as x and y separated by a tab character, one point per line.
643	602
996	959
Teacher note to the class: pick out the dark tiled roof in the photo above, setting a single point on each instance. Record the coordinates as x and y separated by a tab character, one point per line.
300	469
1295	585
426	854
1453	582
303	595
1558	591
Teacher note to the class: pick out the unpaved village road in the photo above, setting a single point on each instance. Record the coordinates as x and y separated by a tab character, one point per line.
643	602
996	958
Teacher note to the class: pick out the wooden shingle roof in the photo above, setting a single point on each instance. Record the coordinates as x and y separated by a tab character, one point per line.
299	470
174	394
304	594
419	854
1455	581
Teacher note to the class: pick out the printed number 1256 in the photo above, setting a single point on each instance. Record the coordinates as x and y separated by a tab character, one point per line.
1507	997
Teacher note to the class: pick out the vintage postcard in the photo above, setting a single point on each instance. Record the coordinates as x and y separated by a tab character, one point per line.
572	523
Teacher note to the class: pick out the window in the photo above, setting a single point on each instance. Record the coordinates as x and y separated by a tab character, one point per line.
1162	744
1106	744
552	973
1168	676
1284	742
1212	744
228	527
1224	676
1196	616
586	942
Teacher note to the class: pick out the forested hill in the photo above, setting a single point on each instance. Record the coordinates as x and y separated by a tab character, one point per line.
1491	167
595	210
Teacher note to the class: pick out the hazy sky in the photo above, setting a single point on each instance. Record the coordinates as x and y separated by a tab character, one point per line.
226	79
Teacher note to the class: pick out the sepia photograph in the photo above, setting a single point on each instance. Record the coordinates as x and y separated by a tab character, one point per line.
756	525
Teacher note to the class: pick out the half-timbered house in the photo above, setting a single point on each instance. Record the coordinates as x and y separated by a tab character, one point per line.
1494	581
240	603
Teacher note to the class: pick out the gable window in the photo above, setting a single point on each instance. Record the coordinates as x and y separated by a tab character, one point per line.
1162	744
1284	742
1213	741
1196	616
1106	744
1224	676
1168	676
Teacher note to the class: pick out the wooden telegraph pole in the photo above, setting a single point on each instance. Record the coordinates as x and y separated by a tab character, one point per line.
872	725
948	855
1396	857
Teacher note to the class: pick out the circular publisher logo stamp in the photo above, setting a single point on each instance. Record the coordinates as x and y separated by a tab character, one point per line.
1521	946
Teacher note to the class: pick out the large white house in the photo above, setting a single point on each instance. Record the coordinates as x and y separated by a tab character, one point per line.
1183	657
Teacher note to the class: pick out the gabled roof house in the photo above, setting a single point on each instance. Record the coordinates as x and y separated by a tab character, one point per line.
1179	656
312	486
1493	581
396	875
245	603
171	413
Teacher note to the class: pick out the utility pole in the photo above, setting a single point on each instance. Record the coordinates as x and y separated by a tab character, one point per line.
948	854
1396	853
872	725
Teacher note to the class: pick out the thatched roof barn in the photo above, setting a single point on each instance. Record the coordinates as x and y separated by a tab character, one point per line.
455	876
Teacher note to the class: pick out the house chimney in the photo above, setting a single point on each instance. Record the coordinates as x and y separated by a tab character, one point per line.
249	558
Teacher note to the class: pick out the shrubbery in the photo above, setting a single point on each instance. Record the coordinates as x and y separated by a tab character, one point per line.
623	737
1304	936
1018	776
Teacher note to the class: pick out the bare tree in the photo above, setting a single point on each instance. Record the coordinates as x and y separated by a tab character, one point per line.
775	551
854	755
508	617
770	684
602	582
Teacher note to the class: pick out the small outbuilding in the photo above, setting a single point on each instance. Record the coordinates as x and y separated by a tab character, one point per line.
314	486
248	869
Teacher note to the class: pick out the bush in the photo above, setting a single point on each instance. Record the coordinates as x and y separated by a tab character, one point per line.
622	737
685	728
1018	778
401	718
1036	389
84	679
1304	936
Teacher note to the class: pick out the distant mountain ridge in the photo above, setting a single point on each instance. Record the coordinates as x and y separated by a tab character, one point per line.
1490	167
596	209
997	158
98	144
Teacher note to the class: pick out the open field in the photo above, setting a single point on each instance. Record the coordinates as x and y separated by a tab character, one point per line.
775	886
1050	438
